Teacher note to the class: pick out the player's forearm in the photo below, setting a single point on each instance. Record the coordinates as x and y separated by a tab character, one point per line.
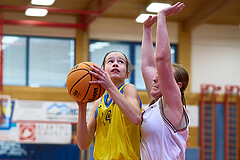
147	51
131	112
83	137
147	59
163	51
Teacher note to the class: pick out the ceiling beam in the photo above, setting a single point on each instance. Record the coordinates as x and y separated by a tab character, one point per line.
102	8
50	9
43	23
205	12
87	16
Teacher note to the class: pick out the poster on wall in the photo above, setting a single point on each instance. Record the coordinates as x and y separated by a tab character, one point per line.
6	112
47	111
39	133
45	133
43	122
41	111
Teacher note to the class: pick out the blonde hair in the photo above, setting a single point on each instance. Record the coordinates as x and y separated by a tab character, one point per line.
181	75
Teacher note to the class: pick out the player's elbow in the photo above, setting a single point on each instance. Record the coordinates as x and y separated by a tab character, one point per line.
137	120
82	147
160	58
163	56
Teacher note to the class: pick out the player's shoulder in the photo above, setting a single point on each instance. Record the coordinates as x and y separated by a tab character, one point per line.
129	85
129	88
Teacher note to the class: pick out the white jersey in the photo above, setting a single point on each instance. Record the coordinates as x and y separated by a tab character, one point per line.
159	139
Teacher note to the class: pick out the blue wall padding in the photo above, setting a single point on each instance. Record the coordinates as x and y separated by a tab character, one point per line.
192	154
220	132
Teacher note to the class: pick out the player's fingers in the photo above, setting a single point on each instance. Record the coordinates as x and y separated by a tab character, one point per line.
95	74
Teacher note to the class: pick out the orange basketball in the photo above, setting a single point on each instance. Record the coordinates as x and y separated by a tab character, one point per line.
78	83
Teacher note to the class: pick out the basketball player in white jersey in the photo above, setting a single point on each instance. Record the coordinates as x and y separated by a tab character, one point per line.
164	129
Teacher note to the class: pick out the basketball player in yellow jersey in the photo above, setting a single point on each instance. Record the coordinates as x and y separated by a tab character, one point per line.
115	118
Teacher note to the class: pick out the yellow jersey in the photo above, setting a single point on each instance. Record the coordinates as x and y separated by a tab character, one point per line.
116	136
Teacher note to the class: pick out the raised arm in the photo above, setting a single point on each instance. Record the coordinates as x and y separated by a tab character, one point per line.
85	131
169	88
128	102
147	54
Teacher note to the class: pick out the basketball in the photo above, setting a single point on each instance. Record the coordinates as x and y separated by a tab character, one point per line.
78	83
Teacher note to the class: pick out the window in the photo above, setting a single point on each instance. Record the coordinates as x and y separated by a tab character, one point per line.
15	60
132	50
37	61
49	61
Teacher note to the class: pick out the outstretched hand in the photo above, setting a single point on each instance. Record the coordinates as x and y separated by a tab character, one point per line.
175	9
103	77
150	21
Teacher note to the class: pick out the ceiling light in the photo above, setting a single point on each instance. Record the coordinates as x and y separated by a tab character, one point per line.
156	7
36	12
142	17
42	2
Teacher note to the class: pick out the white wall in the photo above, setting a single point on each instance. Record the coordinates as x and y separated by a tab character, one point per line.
215	56
125	30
